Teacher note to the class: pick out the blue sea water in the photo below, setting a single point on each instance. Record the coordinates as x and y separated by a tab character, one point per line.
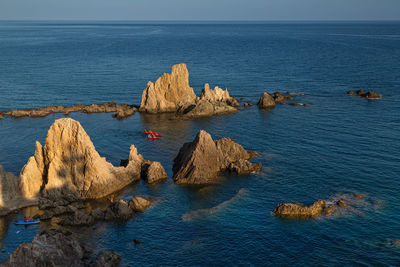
338	145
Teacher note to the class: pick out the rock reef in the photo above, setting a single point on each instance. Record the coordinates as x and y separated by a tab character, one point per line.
318	208
368	95
200	161
121	110
172	93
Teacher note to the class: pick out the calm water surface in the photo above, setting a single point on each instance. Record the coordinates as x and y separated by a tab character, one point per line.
338	145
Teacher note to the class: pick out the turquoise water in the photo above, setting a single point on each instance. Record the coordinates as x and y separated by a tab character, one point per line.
338	145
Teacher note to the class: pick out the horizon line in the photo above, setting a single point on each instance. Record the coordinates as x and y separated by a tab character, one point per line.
206	20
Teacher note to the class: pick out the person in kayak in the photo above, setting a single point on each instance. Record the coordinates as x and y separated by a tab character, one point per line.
25	220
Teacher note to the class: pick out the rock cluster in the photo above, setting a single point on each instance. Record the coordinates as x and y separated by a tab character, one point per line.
121	111
266	101
368	95
200	161
172	93
58	248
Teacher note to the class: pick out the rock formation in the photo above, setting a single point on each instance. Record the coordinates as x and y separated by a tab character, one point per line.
368	95
266	101
200	161
172	93
68	164
121	111
57	248
169	92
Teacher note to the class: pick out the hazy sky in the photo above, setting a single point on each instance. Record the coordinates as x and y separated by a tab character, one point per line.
201	9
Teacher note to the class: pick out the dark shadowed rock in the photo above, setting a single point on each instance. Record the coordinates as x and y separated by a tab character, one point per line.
153	171
119	210
79	218
266	101
200	161
107	259
50	248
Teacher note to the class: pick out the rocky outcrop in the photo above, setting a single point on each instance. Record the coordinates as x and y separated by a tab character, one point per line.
169	92
119	210
300	210
153	171
69	165
368	95
266	101
319	208
200	161
121	111
280	97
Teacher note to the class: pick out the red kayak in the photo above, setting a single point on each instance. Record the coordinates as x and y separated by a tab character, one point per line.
153	137
232	139
152	133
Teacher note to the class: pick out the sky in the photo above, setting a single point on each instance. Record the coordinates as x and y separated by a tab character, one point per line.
199	9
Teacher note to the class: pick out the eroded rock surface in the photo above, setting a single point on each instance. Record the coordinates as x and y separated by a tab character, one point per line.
200	161
300	210
169	92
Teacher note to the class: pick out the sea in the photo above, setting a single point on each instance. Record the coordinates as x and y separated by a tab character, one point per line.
337	146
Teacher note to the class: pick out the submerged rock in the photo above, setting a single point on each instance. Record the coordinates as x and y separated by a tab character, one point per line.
169	92
266	101
200	161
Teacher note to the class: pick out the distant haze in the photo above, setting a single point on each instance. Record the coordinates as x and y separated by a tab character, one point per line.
200	10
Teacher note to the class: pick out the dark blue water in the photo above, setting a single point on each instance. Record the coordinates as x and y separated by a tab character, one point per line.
338	145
